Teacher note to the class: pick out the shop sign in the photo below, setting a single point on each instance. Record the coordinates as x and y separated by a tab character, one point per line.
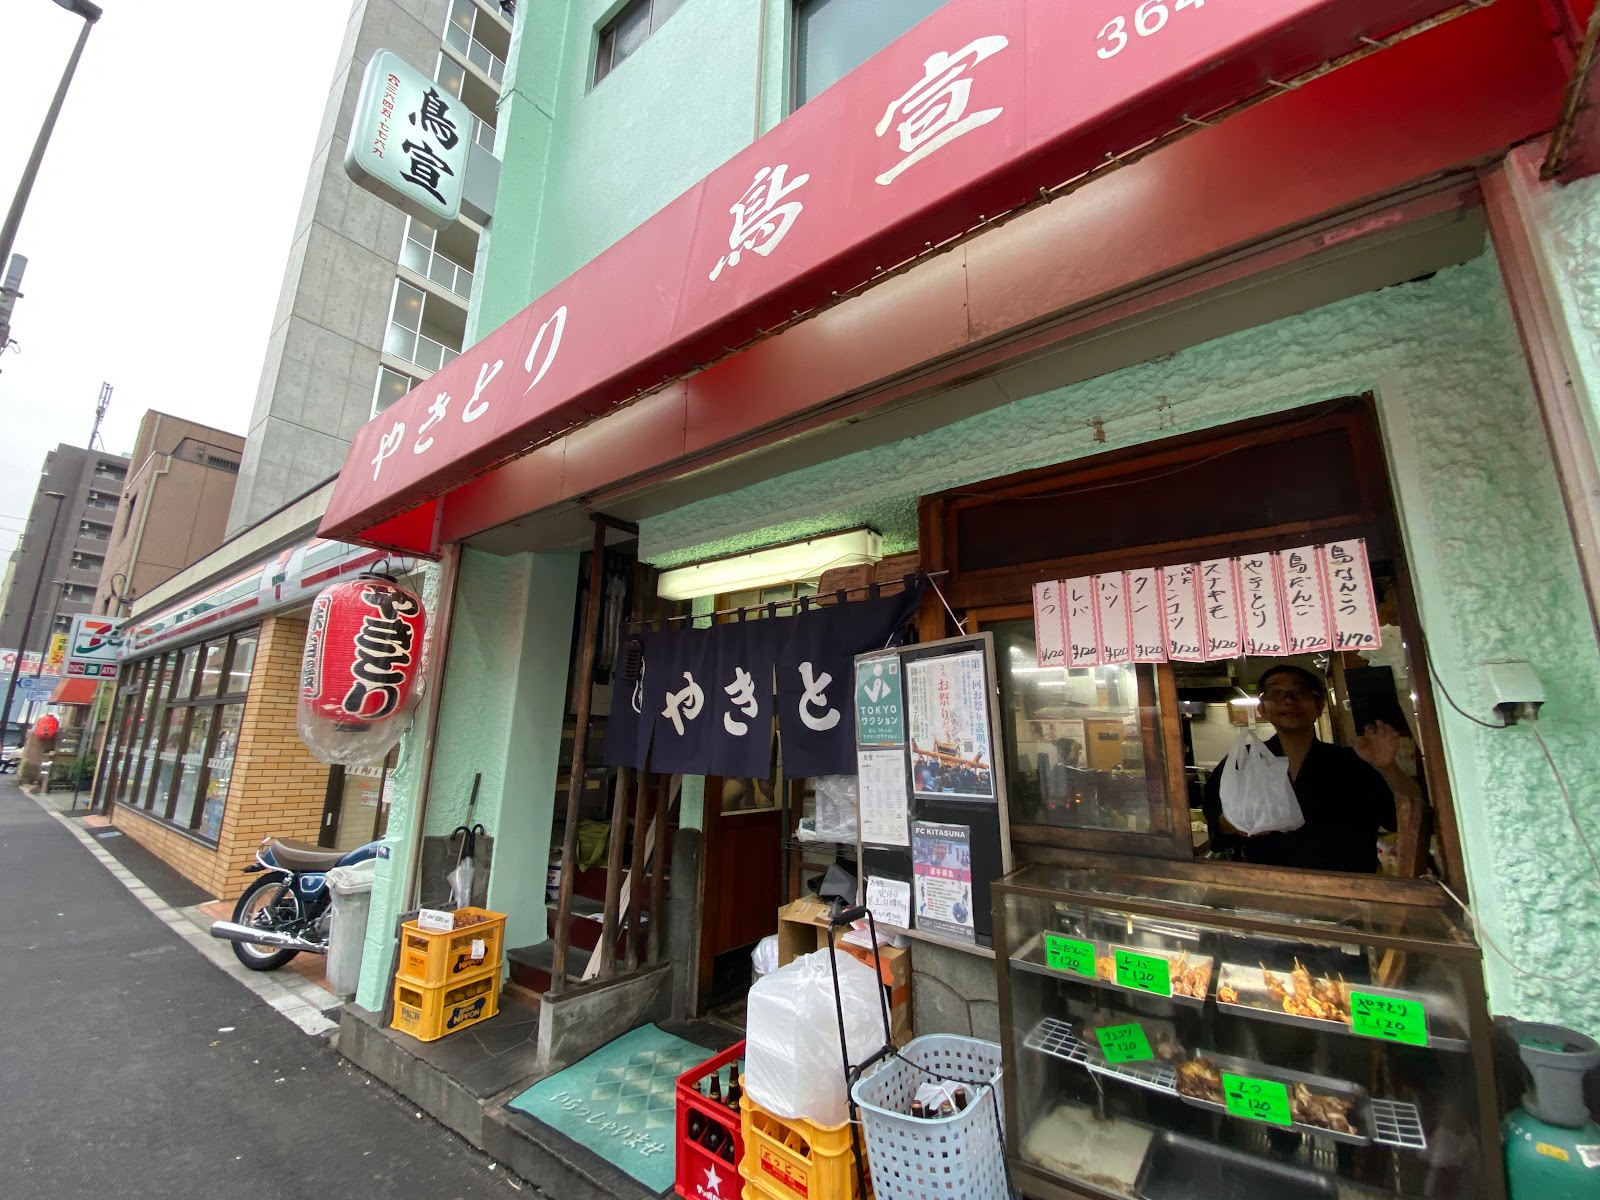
968	116
55	658
93	647
360	669
409	140
286	578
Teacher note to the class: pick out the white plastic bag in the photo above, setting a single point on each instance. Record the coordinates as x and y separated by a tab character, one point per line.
792	1066
764	958
1257	796
837	801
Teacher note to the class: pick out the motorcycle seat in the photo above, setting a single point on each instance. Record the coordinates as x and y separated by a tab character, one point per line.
303	856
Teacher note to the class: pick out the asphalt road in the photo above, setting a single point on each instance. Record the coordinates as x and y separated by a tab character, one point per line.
130	1067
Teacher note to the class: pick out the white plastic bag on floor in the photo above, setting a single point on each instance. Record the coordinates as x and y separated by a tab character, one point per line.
1257	796
792	1066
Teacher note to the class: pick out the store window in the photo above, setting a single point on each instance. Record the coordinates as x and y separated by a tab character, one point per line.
357	810
1127	758
834	37
627	31
173	750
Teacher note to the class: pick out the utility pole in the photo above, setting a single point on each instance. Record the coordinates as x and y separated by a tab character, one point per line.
8	232
100	415
10	293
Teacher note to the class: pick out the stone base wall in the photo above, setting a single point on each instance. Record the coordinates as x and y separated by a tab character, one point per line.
953	991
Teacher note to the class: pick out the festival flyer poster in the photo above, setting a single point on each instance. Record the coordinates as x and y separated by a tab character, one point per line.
941	859
947	710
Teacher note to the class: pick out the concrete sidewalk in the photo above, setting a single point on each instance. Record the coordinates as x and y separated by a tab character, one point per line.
133	1068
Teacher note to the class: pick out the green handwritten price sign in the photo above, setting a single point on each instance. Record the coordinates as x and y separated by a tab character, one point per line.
1124	1043
1144	973
1388	1018
1065	954
1256	1099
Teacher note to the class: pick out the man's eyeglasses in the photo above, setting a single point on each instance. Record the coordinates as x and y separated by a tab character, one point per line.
1279	694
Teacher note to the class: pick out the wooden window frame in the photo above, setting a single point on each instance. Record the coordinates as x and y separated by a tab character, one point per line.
1005	593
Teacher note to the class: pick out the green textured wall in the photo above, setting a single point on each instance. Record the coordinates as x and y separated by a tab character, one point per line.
1480	512
501	716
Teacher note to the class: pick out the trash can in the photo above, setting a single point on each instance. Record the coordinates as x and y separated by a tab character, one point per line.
347	937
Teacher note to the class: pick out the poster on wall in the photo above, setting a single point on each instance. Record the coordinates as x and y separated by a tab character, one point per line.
947	711
1147	610
890	901
880	702
1219	598
881	785
1115	618
941	858
1083	622
1180	585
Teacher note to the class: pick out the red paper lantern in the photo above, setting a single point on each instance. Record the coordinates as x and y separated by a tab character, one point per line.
360	669
46	728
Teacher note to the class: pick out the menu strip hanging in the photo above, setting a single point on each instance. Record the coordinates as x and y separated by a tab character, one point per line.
1147	605
1049	624
1263	614
1305	600
1219	595
1185	636
1083	622
1116	620
1302	601
1352	596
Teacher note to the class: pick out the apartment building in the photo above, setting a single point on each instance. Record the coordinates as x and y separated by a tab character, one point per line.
66	551
173	509
372	302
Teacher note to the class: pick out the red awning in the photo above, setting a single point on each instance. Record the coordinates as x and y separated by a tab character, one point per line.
74	691
972	114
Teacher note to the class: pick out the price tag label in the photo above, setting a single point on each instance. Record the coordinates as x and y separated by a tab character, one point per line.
1387	1018
1065	954
1124	1043
1144	973
1256	1099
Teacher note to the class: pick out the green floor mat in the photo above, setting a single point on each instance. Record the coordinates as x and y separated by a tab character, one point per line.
620	1102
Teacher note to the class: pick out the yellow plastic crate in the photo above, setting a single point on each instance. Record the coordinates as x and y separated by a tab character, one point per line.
429	958
788	1159
429	1013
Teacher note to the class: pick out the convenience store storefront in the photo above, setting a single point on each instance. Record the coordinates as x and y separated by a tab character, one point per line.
1355	315
201	760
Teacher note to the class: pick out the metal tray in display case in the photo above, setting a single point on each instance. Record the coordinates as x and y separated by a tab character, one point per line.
1256	1002
1361	1107
1032	958
1181	1168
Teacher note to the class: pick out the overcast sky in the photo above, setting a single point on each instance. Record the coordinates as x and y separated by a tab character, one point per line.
158	229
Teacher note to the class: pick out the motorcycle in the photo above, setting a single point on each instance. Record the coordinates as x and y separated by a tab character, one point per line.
288	910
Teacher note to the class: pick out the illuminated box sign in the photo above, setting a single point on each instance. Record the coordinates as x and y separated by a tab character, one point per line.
94	645
408	142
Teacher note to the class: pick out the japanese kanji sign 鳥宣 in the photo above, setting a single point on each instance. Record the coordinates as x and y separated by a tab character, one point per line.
409	140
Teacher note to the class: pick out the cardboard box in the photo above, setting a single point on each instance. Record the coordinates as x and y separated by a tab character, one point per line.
803	929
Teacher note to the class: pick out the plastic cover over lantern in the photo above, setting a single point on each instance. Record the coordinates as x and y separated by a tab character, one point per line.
361	669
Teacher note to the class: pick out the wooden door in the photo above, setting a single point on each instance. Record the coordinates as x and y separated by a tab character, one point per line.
741	874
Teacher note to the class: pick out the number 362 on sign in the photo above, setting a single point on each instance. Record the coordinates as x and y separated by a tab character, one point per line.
1149	19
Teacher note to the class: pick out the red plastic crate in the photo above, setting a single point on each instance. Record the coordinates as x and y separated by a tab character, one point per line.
703	1175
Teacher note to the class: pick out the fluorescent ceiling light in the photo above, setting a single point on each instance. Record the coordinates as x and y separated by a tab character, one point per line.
789	563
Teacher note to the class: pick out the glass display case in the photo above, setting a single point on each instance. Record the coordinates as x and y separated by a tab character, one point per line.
1168	1040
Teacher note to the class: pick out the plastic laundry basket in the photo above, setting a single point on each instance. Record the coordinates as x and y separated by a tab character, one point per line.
961	1157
